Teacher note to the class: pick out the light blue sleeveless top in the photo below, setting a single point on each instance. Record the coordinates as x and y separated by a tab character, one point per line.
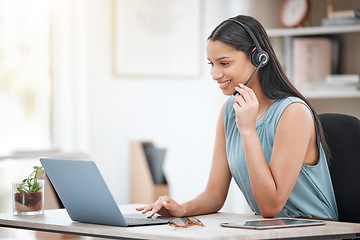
313	194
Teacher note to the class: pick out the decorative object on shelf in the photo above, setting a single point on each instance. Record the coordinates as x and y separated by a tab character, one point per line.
342	82
145	187
345	53
28	194
312	61
344	17
340	22
351	14
330	7
293	13
343	79
155	158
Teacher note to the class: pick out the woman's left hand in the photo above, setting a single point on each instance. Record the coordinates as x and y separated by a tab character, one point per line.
246	108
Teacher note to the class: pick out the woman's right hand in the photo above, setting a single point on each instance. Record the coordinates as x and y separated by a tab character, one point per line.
164	206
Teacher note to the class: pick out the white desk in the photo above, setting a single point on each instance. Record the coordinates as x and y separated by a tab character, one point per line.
59	221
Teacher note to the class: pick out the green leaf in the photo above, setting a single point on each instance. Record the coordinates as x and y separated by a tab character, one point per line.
31	184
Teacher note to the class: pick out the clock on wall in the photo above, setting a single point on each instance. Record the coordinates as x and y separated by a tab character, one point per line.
293	13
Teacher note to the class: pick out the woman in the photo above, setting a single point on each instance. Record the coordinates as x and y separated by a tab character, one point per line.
268	138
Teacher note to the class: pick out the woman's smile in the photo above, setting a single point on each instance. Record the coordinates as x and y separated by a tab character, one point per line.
224	85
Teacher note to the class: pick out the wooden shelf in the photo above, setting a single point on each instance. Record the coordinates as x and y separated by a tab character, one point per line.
311	31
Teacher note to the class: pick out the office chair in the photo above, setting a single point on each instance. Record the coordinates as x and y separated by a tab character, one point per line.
342	133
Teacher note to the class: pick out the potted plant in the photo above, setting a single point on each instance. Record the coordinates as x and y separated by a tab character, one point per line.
29	194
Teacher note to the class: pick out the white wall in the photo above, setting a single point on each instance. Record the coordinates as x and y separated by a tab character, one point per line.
104	112
99	113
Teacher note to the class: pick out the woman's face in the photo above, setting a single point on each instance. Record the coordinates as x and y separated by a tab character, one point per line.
229	66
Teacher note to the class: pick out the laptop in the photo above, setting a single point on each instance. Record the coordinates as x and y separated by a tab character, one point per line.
85	195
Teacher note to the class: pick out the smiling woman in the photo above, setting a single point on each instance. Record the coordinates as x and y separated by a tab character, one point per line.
24	75
268	139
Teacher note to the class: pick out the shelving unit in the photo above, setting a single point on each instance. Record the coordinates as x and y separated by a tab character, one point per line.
323	100
341	32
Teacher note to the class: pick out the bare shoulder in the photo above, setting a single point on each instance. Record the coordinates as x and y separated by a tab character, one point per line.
297	114
223	109
221	114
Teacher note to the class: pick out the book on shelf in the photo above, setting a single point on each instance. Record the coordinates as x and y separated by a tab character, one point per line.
335	55
336	87
312	60
340	21
338	83
343	79
352	13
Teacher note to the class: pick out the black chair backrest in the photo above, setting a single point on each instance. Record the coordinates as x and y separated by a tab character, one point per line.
342	133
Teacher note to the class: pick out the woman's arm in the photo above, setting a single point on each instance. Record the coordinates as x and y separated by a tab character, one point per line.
294	144
214	195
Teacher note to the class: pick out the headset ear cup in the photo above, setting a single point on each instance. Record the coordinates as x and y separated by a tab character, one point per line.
259	58
254	58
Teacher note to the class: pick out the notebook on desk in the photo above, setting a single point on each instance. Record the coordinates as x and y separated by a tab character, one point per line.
85	195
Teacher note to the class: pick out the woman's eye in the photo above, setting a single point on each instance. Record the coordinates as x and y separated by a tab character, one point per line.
224	63
210	63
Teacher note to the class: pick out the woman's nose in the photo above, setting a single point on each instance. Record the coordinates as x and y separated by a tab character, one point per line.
216	74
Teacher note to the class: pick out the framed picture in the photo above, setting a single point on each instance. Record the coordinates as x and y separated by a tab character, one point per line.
157	38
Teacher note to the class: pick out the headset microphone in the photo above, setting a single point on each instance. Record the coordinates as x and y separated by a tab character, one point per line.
252	75
259	57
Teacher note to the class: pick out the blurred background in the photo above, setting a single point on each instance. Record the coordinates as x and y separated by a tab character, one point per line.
85	78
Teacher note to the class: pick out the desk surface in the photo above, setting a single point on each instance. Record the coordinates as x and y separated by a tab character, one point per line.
59	221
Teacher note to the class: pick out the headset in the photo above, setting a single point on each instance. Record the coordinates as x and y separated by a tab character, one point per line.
259	57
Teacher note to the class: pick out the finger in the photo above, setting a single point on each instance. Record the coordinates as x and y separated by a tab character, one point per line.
249	91
164	198
159	205
155	209
147	208
140	208
245	94
245	87
240	101
239	90
240	96
236	107
167	205
151	206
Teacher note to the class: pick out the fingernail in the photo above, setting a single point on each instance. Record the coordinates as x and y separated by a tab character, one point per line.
241	85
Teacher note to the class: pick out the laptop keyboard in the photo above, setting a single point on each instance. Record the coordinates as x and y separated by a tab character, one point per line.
136	221
142	220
